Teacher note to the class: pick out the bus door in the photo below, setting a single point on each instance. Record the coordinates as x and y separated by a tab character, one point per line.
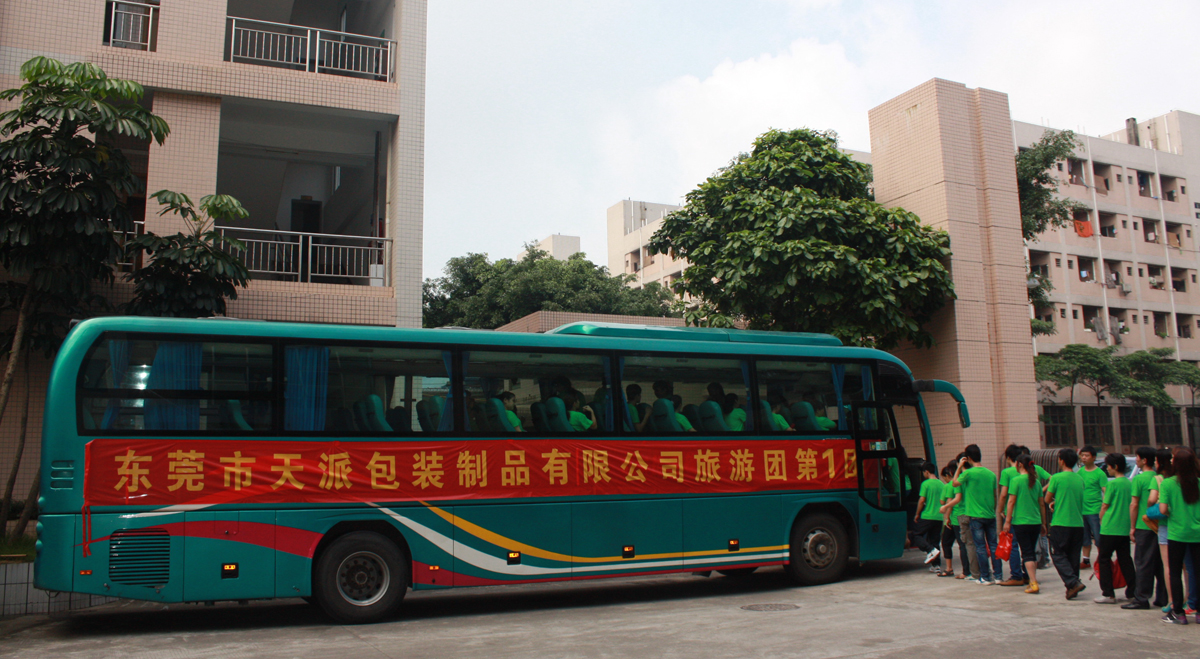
880	460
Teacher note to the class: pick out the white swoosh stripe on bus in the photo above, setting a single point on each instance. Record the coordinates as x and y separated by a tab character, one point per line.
494	564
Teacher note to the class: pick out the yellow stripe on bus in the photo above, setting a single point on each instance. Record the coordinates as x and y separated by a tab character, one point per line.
529	550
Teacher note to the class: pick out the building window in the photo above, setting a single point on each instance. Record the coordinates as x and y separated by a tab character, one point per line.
1075	314
1062	312
1129	271
1146	320
1135	226
1124	224
1140	273
1166	427
1188	232
1070	264
1097	426
1118	178
1134	431
1059	421
1059	166
1183	189
1135	319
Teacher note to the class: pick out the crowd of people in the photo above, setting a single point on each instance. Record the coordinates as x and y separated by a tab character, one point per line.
1061	516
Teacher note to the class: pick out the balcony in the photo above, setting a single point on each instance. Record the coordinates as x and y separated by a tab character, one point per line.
313	257
131	25
310	49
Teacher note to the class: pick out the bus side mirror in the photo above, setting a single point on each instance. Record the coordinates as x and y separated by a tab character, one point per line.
964	417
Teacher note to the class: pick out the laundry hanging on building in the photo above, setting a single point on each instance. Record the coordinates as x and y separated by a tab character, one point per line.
1083	228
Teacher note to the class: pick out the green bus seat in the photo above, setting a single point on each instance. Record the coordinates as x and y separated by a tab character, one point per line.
712	419
804	418
556	416
235	413
497	416
663	417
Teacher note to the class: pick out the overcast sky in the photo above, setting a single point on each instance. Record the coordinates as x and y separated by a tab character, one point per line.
540	114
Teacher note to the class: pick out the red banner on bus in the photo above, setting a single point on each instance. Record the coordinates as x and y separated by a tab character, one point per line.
204	472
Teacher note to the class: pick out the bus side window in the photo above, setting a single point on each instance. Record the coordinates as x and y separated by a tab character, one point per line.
366	390
536	392
810	396
132	385
675	394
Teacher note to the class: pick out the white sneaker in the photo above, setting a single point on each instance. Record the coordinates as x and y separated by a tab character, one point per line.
932	555
983	582
1105	600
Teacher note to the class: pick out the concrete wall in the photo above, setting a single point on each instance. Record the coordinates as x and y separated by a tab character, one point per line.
945	152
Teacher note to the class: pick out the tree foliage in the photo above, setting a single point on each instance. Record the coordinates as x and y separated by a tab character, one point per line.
190	274
1139	377
1185	374
1040	208
789	238
475	292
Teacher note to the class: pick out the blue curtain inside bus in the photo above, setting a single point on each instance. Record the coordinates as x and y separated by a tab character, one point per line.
176	366
307	387
839	377
118	360
447	422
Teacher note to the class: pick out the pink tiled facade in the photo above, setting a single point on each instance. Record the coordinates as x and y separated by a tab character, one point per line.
193	82
945	152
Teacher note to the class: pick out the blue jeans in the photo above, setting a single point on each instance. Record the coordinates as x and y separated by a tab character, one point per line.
983	533
1015	568
1091	530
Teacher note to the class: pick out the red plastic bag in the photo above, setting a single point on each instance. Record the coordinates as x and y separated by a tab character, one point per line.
1004	546
1117	578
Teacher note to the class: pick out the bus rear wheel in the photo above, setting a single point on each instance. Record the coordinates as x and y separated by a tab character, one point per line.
361	577
820	550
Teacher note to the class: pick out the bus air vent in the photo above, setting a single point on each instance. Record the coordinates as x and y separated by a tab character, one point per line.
139	557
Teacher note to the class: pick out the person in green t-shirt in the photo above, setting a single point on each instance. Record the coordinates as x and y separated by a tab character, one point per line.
955	507
633	397
580	416
1016	573
509	399
949	527
680	418
780	422
1064	496
1094	482
1179	500
928	519
1025	516
1146	558
1114	532
979	489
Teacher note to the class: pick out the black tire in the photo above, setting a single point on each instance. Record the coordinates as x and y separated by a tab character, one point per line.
820	550
361	577
737	572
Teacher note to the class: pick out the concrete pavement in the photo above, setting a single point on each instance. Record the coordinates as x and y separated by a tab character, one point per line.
884	609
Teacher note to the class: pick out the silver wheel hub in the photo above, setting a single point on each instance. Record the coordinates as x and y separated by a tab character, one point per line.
363	578
819	548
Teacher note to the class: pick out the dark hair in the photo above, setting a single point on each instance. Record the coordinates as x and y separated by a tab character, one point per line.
948	470
666	387
777	400
730	404
1187	473
1069	457
973	452
677	401
716	392
952	466
929	466
1026	462
1116	461
560	383
1147	454
1166	467
570	398
1013	452
1025	449
1088	448
506	396
958	458
633	391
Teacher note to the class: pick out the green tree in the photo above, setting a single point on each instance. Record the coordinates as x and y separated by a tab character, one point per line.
475	292
191	274
789	238
1078	364
1185	374
63	185
1041	209
1142	376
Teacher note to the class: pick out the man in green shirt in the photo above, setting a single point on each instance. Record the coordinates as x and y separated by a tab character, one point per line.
1114	532
1147	558
1179	500
1094	482
1064	496
928	520
979	489
956	507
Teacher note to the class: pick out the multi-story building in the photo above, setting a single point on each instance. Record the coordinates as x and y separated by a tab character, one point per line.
310	112
557	246
1125	273
630	226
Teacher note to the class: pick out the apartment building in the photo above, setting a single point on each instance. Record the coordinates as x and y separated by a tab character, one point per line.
631	224
310	112
1125	273
557	246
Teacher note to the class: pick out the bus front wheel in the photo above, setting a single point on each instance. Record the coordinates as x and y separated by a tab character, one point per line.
360	577
820	550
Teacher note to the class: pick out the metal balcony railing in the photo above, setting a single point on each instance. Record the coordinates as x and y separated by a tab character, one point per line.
132	25
305	257
310	49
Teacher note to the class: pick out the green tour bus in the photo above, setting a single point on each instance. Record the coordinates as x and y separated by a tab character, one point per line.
214	459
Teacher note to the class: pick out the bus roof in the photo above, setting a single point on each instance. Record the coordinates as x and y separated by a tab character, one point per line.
622	330
585	336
